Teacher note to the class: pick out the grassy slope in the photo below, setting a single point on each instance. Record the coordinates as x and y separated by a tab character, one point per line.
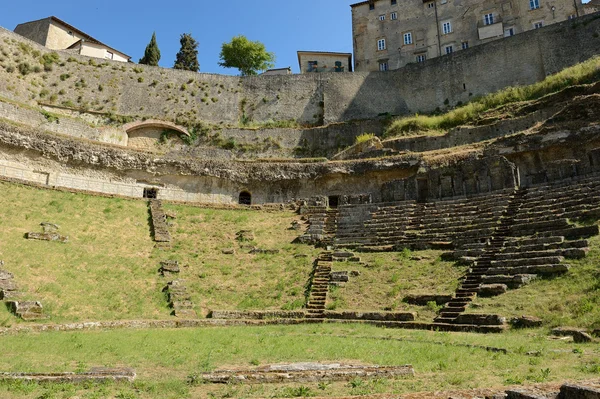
241	281
164	359
109	268
388	277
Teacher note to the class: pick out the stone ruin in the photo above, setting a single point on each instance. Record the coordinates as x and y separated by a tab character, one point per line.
50	233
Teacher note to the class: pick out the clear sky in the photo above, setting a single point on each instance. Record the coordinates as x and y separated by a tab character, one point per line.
127	25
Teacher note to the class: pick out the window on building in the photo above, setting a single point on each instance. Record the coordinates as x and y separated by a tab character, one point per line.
382	17
443	1
421	58
533	4
381	44
109	55
393	2
371	6
488	19
538	25
408	38
509	32
431	4
572	16
449	49
465	45
312	66
447	27
383	66
394	16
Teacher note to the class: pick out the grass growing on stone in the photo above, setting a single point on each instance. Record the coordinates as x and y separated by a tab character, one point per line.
388	277
168	362
585	72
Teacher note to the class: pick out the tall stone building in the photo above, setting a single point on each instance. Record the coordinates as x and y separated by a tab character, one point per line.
389	34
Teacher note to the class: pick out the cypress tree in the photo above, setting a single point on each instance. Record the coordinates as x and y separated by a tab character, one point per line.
187	57
152	53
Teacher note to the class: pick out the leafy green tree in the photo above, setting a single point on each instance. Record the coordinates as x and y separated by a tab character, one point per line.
152	53
247	56
187	57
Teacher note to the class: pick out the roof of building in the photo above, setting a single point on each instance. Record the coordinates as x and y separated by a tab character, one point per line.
362	3
87	37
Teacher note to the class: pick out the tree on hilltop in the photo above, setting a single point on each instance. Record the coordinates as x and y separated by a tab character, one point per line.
152	53
247	56
187	57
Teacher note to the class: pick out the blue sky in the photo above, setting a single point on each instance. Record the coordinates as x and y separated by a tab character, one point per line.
283	26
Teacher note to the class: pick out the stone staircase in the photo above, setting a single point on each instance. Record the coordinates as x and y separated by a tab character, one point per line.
526	244
160	229
330	227
473	280
319	286
177	295
10	294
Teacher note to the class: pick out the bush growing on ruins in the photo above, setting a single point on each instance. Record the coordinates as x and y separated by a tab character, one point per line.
364	137
187	57
152	53
24	68
249	57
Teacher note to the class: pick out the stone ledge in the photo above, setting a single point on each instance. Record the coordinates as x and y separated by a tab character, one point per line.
99	374
304	372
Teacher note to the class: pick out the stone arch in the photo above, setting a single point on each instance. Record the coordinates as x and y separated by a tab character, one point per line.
146	134
245	198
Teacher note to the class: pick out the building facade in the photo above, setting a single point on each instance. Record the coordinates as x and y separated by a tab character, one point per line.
55	34
388	34
322	61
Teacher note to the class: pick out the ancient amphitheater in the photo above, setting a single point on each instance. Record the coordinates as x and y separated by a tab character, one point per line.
293	236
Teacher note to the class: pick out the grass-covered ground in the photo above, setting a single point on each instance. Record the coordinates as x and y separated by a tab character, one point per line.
386	278
167	361
109	268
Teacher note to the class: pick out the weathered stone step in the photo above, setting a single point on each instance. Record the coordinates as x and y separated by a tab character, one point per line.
547	260
536	269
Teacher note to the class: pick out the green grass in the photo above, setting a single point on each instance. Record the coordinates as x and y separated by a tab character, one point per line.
241	281
166	359
109	268
585	72
388	277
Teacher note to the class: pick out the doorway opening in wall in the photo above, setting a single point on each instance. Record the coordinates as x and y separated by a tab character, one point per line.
422	190
245	198
334	201
150	193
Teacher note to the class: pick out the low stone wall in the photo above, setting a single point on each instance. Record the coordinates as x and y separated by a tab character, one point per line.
97	374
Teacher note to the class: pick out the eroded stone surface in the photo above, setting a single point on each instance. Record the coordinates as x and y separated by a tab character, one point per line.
305	372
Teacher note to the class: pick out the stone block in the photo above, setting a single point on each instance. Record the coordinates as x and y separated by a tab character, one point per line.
526	322
244	235
373	316
169	267
49	227
582	337
4	275
256	251
572	391
480	319
566	331
527	394
339	277
491	290
47	237
228	251
424	299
